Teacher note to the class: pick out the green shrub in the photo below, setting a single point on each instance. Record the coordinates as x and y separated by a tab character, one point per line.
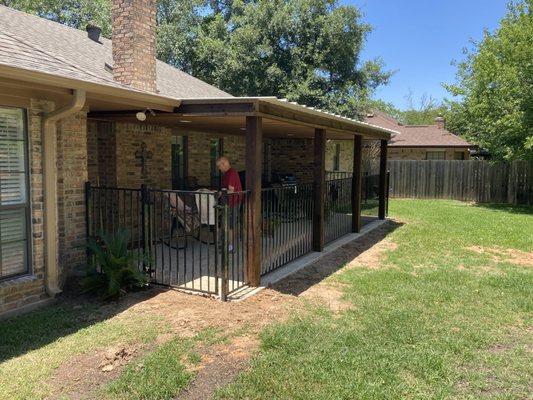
114	269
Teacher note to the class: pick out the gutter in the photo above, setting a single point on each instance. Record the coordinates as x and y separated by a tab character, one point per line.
49	154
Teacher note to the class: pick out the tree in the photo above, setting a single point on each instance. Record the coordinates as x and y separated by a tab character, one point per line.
75	13
422	114
307	51
494	88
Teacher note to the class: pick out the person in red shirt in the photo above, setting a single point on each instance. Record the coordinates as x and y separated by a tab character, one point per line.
232	182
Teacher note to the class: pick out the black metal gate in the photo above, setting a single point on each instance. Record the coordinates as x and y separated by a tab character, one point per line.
191	240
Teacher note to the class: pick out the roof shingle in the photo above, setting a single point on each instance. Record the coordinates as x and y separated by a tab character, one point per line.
38	44
416	135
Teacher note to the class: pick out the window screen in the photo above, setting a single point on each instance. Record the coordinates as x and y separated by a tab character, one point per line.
14	204
435	155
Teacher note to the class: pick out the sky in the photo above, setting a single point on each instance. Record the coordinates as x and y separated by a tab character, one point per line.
420	38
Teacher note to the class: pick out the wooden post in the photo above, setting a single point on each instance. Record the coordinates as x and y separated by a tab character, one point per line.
319	189
356	182
382	179
254	140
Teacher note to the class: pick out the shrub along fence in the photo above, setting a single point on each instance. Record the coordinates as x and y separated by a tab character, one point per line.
468	180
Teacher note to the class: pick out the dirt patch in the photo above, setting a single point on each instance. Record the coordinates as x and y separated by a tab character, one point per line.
78	378
499	254
187	315
220	365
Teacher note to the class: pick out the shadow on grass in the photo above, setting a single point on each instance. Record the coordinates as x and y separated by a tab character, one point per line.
71	313
514	209
302	280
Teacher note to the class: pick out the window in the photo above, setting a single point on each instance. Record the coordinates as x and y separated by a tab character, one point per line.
216	151
459	155
337	158
435	155
179	162
14	202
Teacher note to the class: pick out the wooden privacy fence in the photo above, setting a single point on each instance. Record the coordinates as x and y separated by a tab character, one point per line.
467	180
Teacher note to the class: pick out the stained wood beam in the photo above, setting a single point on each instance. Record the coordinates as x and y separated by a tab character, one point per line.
356	182
319	188
382	180
254	145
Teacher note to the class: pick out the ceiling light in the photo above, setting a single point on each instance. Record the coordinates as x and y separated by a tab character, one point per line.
185	121
141	115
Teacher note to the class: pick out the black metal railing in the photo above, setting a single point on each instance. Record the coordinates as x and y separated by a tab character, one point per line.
195	241
338	209
287	224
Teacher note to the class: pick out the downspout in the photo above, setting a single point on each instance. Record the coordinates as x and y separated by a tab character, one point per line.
49	154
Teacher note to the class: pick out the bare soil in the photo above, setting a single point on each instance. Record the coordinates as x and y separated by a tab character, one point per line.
241	322
498	254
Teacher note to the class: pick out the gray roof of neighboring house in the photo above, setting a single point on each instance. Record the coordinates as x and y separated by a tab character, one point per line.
37	44
416	135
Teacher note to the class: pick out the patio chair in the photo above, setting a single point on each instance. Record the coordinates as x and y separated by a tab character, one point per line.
185	217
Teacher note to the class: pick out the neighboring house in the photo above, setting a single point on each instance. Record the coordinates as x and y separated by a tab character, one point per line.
421	142
77	108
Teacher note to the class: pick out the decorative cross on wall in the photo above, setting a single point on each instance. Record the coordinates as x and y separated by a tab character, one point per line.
144	155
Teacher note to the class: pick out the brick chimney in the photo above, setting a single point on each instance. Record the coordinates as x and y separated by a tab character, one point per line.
134	25
440	122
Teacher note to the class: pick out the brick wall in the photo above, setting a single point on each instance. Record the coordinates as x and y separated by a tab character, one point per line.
346	154
134	43
234	147
293	155
72	173
23	291
101	152
113	157
158	170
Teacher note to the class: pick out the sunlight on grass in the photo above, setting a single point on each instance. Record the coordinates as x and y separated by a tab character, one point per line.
437	320
35	345
159	375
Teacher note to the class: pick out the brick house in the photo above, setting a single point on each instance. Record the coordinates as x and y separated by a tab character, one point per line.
421	142
76	107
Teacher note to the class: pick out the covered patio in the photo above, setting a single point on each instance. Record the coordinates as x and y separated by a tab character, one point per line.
280	221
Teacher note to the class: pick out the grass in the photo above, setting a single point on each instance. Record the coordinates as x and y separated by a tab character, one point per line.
437	320
158	375
33	346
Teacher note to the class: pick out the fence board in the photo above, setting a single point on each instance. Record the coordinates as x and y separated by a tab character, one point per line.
467	180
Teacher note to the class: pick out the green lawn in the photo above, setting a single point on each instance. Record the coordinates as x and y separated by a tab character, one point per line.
441	318
447	314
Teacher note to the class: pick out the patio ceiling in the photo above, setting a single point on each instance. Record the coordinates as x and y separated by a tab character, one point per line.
226	116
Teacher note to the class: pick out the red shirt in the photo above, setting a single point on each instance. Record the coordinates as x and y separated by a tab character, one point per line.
231	178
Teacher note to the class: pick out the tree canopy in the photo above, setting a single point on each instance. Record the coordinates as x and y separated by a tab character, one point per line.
494	88
421	112
307	51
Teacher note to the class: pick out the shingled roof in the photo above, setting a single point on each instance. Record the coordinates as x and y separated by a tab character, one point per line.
37	44
416	135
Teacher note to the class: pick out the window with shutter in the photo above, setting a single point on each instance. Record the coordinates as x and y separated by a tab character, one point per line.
14	203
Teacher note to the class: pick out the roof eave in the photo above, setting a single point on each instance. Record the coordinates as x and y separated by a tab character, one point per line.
274	108
156	101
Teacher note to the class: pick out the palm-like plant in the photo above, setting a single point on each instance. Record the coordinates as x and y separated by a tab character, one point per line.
114	269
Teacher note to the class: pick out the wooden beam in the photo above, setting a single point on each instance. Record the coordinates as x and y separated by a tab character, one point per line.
215	109
254	145
382	179
319	188
356	182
